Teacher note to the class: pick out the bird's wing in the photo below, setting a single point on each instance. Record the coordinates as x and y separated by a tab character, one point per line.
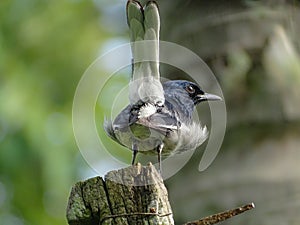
108	128
121	122
160	122
144	26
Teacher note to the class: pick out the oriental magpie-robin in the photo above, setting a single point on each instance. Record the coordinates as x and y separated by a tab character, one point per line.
159	117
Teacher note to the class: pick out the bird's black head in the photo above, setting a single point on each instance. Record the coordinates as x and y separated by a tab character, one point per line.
182	96
192	90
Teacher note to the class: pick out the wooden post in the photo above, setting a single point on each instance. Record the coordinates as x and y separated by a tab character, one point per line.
133	195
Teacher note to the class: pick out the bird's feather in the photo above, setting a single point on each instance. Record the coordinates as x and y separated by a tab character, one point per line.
190	137
152	28
109	130
144	26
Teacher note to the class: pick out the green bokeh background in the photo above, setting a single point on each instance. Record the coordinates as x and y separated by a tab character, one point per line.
45	47
252	47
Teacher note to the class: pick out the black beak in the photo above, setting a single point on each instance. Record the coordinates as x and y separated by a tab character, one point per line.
207	97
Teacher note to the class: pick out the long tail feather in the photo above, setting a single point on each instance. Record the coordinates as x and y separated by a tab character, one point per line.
152	28
144	25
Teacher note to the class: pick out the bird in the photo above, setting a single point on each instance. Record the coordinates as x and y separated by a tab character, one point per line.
159	118
162	130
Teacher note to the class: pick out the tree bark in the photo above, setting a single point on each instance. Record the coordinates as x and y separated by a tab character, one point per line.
133	195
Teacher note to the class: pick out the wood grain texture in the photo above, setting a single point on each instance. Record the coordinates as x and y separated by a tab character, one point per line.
133	195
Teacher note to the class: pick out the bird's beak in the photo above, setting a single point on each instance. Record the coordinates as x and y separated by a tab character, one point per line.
208	97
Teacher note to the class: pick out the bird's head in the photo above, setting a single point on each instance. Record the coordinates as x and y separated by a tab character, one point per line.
190	90
197	94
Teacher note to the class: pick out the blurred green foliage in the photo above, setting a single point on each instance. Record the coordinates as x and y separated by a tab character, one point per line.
45	47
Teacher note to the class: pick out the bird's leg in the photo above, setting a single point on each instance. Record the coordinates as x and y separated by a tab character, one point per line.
134	152
159	150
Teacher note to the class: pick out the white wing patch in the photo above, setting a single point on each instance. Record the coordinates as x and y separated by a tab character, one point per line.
147	110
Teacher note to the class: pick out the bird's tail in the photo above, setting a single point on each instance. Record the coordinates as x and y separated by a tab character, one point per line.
144	26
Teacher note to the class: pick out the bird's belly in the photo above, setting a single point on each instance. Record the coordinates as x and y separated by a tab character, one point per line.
146	139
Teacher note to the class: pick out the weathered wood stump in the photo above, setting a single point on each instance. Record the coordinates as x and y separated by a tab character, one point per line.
133	195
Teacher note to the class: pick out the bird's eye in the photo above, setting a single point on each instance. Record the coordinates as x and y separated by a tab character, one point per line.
190	89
